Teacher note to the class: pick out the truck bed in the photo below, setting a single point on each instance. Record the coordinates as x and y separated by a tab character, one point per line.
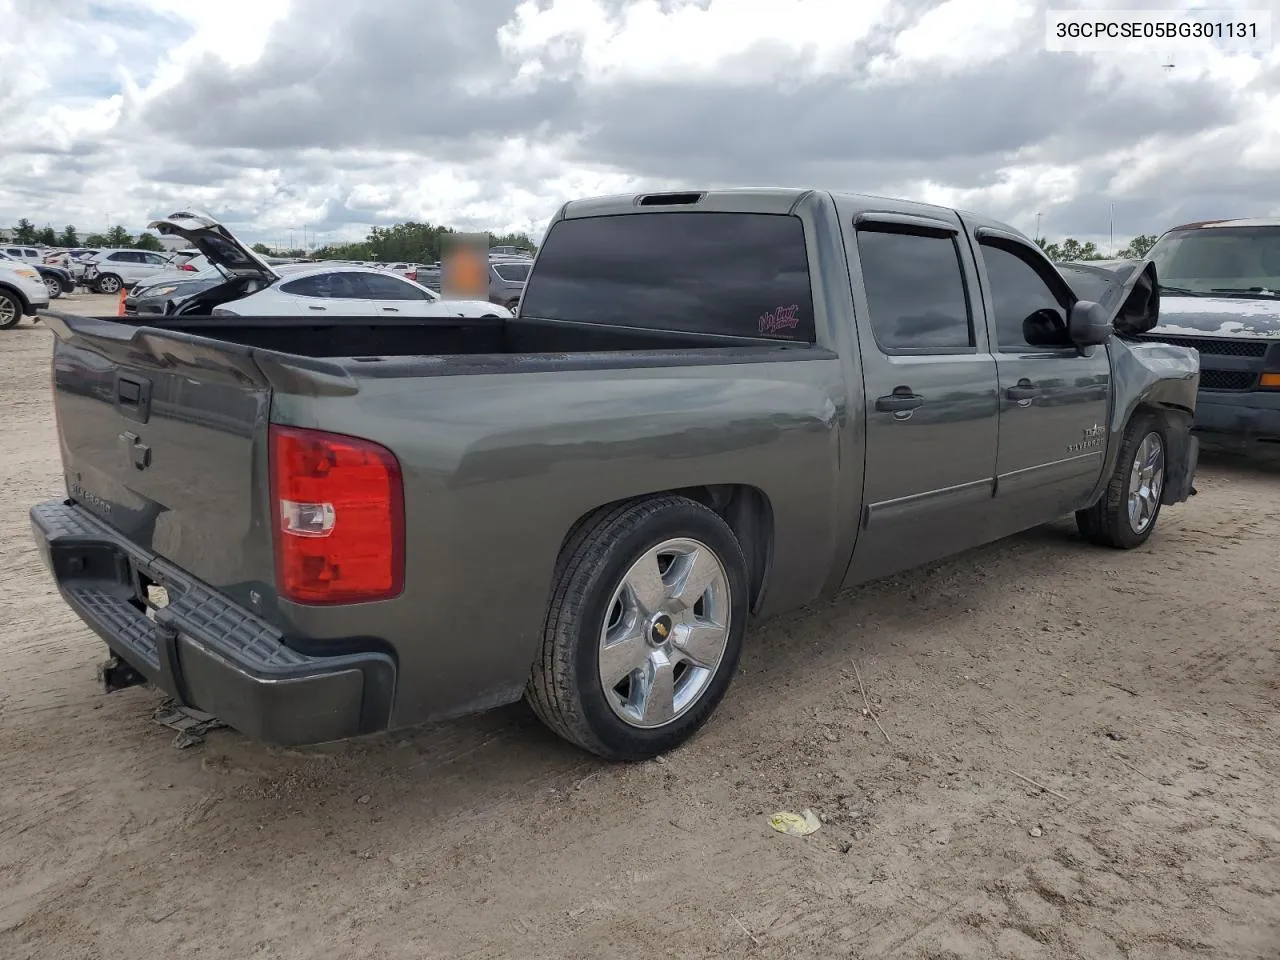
366	338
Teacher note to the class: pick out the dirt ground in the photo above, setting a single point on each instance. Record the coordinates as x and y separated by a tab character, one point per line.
1140	688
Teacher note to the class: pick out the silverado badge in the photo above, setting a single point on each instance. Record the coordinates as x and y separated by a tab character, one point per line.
1093	437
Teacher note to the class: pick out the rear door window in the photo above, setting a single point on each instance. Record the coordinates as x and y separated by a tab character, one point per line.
328	286
733	274
512	272
384	286
915	291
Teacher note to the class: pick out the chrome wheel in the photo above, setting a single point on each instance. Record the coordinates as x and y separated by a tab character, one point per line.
665	633
1146	482
53	286
8	311
108	284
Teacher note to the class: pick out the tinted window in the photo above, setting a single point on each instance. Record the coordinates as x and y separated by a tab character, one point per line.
32	253
739	274
513	272
327	286
915	290
1018	292
123	257
382	286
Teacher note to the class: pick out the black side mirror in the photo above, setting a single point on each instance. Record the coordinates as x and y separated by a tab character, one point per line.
1088	325
1046	328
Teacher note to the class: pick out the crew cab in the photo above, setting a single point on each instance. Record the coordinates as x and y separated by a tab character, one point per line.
1220	294
710	407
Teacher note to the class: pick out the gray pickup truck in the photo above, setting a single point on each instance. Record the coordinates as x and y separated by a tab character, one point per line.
710	407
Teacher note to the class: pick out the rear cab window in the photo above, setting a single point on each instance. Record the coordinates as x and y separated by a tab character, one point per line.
731	274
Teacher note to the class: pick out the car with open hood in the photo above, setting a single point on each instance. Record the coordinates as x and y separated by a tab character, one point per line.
254	287
1220	294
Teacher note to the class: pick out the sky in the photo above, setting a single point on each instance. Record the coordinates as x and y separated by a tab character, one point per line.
286	118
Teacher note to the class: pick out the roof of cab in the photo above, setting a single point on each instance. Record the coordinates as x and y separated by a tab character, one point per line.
778	200
732	199
1239	222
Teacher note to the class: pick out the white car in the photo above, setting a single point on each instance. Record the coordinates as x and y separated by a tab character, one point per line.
254	288
112	269
354	292
22	292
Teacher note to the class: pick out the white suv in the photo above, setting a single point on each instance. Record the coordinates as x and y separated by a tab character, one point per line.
22	292
29	254
112	269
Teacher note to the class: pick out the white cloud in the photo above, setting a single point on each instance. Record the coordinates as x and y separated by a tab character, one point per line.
583	97
686	42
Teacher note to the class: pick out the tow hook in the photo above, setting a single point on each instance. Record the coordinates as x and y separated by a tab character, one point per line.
114	674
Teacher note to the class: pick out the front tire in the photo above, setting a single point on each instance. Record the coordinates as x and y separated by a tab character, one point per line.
11	310
108	283
54	286
645	628
1127	512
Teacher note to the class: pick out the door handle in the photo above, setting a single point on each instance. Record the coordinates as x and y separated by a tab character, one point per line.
391	309
899	402
1024	391
311	306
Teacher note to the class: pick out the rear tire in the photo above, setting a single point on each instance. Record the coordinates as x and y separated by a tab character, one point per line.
11	310
54	286
108	283
636	655
1126	514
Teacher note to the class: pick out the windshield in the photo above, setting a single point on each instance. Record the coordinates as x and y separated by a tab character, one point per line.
1227	261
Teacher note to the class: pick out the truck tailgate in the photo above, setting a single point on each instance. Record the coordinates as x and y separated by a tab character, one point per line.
163	437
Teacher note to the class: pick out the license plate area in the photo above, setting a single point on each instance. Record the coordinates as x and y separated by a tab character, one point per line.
151	596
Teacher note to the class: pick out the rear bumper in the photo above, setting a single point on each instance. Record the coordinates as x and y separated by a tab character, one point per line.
1244	416
203	649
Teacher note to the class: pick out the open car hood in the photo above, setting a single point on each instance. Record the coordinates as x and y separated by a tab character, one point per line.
1126	289
217	243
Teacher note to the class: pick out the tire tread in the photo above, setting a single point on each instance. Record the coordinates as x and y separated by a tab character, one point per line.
1106	522
552	692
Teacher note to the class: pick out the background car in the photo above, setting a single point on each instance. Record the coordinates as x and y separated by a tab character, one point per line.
161	299
506	280
57	280
22	292
78	262
110	270
22	252
353	291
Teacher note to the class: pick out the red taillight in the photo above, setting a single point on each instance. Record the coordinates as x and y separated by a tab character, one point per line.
338	514
187	266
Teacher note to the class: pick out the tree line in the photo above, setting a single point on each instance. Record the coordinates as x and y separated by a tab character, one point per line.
425	242
411	242
117	236
1071	249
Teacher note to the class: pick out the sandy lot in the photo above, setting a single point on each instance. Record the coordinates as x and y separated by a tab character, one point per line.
1141	688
